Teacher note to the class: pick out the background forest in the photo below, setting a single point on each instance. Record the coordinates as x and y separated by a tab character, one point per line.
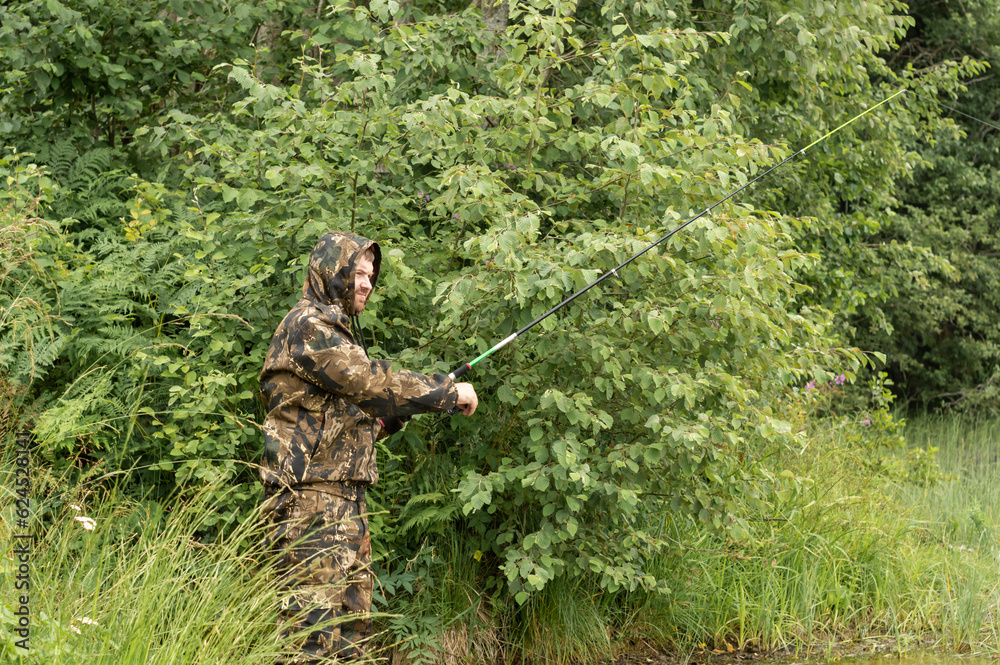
167	166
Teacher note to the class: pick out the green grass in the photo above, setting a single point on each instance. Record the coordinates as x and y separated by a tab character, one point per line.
851	557
958	522
860	558
141	587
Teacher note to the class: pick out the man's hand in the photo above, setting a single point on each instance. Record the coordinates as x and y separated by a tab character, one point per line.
467	398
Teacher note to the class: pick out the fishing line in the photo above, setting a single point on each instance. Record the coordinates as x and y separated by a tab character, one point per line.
465	367
971	117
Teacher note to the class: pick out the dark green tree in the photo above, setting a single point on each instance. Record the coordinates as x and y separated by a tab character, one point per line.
941	325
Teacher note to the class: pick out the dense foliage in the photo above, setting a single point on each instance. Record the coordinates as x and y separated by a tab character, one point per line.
185	156
945	308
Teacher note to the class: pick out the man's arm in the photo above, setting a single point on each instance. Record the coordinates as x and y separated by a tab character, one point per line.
330	360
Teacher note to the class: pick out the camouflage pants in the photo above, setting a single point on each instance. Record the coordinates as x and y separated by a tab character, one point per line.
324	574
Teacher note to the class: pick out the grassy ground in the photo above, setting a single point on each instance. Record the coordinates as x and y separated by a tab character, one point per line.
117	580
958	522
849	557
861	558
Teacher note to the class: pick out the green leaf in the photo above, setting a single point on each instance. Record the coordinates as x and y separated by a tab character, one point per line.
246	198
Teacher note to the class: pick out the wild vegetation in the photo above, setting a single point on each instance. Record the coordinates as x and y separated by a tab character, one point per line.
698	452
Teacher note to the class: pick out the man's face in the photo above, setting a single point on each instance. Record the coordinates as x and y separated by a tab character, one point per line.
362	283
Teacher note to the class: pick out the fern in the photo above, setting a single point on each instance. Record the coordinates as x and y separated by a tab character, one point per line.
29	339
93	185
30	349
90	166
102	208
87	409
426	512
60	156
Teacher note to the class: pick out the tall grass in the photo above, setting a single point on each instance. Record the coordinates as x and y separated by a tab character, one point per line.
852	556
958	520
855	557
141	586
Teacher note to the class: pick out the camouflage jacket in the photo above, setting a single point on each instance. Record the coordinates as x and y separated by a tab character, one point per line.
325	396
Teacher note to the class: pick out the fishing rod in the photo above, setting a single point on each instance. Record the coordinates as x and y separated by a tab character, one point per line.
465	367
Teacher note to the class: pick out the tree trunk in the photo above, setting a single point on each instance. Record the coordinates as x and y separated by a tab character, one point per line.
495	15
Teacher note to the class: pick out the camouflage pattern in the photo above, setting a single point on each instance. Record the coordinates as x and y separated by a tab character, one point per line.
325	396
326	403
325	582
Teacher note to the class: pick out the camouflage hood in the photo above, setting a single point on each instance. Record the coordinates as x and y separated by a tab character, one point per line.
330	281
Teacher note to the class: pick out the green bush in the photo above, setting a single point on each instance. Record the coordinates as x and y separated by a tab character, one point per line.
501	171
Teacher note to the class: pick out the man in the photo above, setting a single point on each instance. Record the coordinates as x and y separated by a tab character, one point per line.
327	404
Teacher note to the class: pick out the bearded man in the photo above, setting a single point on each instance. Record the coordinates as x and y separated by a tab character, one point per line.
328	403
